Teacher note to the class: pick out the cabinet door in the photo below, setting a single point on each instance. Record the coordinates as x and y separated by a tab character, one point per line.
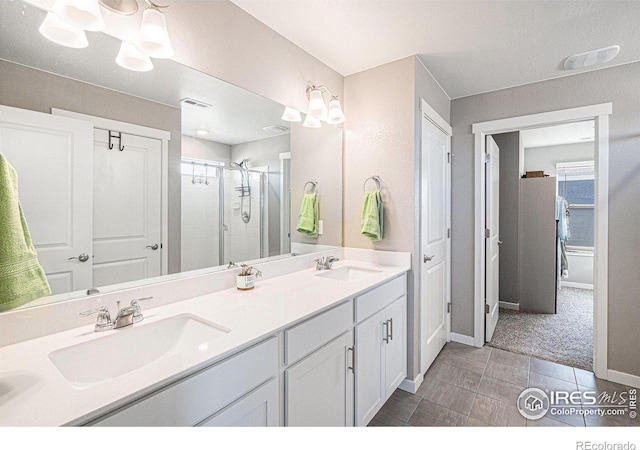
395	350
370	390
257	409
319	389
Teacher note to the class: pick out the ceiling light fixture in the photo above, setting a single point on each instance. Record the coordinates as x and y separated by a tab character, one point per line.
131	58
592	57
153	37
317	110
83	14
202	132
60	32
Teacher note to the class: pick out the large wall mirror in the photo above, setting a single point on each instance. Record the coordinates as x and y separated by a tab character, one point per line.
182	172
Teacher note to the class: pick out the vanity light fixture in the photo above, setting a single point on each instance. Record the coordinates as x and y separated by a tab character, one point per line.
317	111
153	37
60	32
83	14
131	58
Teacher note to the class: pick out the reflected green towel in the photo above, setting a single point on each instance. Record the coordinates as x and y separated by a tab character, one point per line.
308	216
22	279
372	216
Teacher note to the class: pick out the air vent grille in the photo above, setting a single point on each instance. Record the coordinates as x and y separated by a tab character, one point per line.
276	129
192	102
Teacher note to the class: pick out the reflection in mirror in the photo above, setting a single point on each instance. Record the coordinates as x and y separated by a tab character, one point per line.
186	173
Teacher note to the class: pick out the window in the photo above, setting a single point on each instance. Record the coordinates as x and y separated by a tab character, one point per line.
576	185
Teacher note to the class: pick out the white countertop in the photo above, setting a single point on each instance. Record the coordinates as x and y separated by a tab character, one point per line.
34	393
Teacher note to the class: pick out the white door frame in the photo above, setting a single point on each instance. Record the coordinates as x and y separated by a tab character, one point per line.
285	206
430	114
153	133
600	114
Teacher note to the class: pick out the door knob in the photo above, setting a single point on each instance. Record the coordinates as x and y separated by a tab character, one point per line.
153	247
82	257
428	258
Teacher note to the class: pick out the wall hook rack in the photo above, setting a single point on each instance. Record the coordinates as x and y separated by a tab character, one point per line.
115	135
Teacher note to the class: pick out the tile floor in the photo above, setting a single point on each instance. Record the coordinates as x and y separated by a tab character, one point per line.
469	386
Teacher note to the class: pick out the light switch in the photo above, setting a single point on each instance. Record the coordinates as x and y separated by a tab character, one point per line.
320	227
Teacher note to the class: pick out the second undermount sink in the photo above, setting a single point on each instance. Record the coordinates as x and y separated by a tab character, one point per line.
125	350
349	273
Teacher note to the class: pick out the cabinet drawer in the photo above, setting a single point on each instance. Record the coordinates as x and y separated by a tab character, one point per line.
197	397
376	299
317	331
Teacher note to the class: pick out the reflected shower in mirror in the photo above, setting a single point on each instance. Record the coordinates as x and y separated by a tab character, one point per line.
172	170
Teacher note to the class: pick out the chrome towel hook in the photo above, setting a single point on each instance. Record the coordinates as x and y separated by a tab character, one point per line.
375	178
115	135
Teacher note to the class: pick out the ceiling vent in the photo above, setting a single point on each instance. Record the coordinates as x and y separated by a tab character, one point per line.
192	102
276	129
590	58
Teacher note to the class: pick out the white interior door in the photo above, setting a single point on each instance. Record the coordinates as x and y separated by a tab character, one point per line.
127	208
492	242
52	156
434	273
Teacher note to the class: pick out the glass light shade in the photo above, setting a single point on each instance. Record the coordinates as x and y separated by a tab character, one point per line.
131	58
335	116
291	114
311	122
153	37
83	14
317	107
60	32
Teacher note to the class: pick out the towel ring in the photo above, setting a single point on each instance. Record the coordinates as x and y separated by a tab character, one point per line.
314	187
375	178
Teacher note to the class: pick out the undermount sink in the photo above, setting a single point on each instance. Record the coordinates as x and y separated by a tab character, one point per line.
92	362
349	273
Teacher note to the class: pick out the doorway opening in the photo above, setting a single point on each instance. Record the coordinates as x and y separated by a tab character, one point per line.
546	243
599	114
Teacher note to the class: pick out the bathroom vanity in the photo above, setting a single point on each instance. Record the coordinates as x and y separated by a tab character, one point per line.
306	347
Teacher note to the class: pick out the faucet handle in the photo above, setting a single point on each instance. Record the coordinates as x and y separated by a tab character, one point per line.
103	321
137	315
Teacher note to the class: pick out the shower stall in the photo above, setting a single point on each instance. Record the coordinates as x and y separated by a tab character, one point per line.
223	214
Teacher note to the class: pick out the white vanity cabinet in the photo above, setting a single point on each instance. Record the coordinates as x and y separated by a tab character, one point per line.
198	398
319	384
381	345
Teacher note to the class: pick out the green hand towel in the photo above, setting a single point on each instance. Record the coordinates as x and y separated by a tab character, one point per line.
372	216
22	279
308	216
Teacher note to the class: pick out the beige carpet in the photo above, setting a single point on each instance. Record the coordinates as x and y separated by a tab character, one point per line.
565	337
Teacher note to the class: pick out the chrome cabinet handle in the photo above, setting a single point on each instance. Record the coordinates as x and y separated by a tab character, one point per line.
428	258
82	257
153	247
385	324
352	367
391	329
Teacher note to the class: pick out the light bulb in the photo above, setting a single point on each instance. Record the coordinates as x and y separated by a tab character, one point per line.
60	32
131	58
83	14
311	122
335	115
153	37
317	107
291	114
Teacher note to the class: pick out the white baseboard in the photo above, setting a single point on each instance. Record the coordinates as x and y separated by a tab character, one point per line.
573	284
623	378
462	339
411	386
509	305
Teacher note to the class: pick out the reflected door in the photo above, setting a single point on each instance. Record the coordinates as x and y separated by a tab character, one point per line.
492	282
127	208
53	159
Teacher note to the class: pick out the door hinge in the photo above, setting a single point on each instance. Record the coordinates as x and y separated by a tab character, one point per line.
449	307
448	232
486	308
487	233
160	244
449	157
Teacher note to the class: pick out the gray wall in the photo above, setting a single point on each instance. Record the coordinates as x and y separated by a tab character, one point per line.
27	88
266	152
382	137
206	150
509	144
545	158
619	85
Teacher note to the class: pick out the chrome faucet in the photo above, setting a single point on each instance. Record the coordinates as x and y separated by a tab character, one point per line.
125	316
325	263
